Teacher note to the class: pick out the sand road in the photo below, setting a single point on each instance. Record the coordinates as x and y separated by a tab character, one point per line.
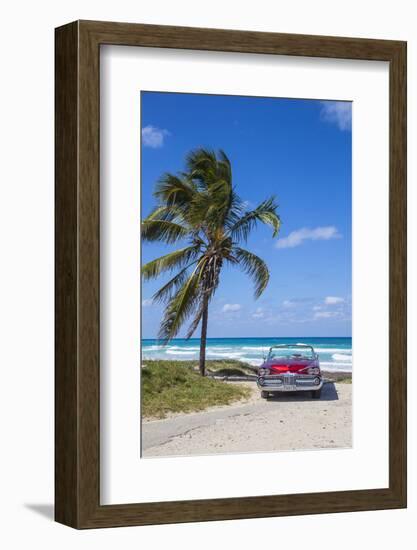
286	422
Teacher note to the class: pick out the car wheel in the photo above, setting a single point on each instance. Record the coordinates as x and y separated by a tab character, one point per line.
264	394
316	394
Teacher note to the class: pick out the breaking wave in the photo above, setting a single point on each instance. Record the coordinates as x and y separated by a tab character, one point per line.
342	357
179	352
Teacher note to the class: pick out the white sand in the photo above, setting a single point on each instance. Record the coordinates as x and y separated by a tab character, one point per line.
287	422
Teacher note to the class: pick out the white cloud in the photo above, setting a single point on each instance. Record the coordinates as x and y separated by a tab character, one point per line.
337	112
296	238
231	307
147	302
259	314
293	302
324	314
153	137
331	300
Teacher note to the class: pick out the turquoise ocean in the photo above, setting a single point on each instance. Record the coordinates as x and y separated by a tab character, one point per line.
335	354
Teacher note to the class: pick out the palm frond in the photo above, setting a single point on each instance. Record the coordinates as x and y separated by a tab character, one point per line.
206	168
166	213
235	210
265	213
173	190
165	293
174	260
181	305
197	318
222	199
254	266
224	167
209	208
162	230
210	277
200	159
198	207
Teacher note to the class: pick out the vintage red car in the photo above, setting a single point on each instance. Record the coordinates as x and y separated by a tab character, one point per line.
289	368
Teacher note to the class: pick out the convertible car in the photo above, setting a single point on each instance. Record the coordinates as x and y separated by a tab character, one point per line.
290	368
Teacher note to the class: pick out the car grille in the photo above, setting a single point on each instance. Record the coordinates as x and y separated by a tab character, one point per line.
288	381
272	380
305	381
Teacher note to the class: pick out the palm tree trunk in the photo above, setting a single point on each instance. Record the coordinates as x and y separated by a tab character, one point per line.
203	340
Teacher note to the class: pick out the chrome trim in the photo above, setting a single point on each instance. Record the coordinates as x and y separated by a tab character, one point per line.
289	382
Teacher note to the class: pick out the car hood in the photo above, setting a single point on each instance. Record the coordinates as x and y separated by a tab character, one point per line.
288	365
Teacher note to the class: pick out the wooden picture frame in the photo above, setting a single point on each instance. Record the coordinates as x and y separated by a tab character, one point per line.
77	382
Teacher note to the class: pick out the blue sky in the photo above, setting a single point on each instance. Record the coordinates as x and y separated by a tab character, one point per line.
297	150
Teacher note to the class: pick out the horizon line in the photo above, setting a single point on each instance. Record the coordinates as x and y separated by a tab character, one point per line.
245	337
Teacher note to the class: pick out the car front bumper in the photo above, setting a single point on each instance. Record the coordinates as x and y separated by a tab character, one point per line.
289	382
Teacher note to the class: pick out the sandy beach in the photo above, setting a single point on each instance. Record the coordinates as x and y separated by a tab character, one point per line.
283	423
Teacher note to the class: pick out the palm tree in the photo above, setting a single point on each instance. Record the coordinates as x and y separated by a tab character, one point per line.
201	208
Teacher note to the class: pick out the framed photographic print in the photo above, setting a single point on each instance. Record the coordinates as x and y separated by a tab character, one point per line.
230	274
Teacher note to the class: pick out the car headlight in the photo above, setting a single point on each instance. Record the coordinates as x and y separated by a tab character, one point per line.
313	370
262	372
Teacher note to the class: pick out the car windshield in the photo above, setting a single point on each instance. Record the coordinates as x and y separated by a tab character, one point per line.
291	352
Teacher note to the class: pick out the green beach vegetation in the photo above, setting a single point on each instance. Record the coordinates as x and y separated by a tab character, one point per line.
177	387
201	209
